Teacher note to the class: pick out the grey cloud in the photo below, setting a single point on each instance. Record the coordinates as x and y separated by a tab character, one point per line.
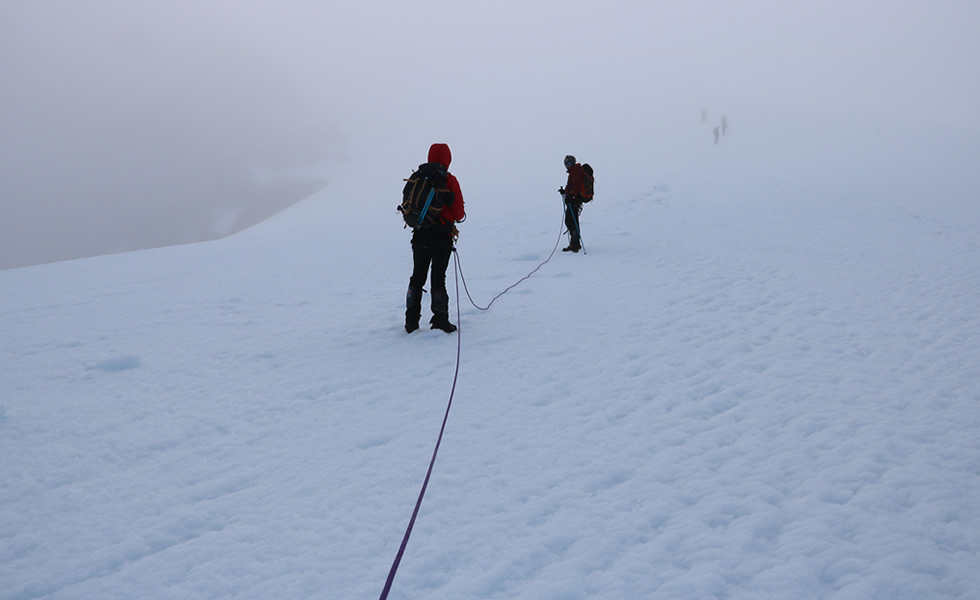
129	126
146	123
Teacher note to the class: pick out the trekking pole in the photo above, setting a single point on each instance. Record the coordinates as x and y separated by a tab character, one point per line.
580	239
564	208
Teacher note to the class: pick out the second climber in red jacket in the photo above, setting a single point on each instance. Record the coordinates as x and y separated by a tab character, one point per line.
573	198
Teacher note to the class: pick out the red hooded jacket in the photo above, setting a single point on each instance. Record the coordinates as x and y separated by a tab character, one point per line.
576	182
440	153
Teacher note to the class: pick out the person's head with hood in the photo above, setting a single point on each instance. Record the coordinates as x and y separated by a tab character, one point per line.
440	153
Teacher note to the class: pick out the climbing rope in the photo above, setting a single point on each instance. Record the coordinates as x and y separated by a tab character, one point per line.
518	282
458	274
435	451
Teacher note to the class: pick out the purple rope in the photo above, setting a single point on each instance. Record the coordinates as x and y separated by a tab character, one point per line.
517	283
458	272
435	451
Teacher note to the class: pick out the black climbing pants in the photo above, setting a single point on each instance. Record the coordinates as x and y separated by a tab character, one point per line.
573	208
429	248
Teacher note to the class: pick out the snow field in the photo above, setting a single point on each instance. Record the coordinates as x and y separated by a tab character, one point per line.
750	387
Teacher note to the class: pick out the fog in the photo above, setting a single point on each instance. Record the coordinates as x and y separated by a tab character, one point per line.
133	125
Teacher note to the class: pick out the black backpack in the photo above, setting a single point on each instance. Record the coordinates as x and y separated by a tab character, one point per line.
588	183
425	194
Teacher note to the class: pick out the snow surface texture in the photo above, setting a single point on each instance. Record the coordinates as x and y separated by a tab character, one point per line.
760	382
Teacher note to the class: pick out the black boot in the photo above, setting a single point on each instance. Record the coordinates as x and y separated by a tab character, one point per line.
440	311
441	321
574	243
413	309
411	324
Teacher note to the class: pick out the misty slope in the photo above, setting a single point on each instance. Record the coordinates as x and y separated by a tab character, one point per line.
757	384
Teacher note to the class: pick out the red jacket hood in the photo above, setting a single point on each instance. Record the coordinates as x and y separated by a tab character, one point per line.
439	153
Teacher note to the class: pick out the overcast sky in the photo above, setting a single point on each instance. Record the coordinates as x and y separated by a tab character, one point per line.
131	124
